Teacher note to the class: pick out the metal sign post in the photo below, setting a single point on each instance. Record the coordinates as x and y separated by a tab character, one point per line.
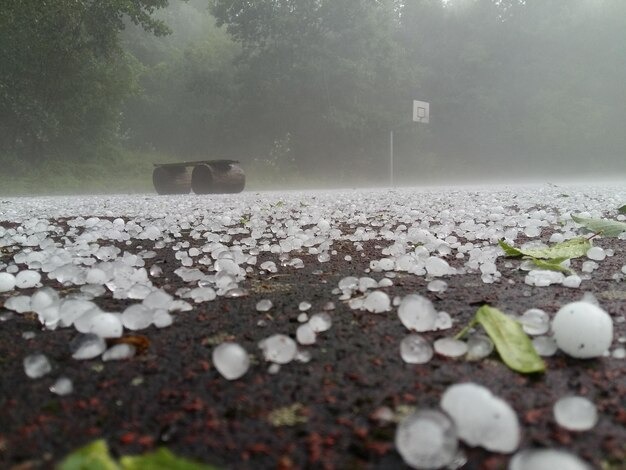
391	157
421	113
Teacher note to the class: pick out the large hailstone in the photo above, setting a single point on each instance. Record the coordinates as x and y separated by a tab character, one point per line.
426	439
546	459
417	313
481	418
582	330
231	360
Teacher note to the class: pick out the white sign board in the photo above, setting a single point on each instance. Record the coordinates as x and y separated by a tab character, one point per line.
421	111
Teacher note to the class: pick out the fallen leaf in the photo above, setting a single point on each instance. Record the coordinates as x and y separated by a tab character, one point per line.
605	227
513	345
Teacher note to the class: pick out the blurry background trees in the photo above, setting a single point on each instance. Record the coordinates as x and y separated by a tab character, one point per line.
312	87
63	74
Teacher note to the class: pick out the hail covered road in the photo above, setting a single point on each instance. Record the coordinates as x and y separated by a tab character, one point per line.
304	329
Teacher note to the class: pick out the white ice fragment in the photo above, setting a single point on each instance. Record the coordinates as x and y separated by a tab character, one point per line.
436	266
63	386
158	299
437	286
417	313
543	278
137	317
156	270
97	276
444	321
87	346
535	321
162	318
106	325
119	352
546	459
545	345
575	413
202	294
377	302
427	439
269	266
305	334
481	418
589	266
415	349
349	283
264	305
7	282
43	298
83	322
556	238
573	281
385	264
478	347
582	330
450	347
18	303
366	283
323	257
139	291
278	348
27	278
320	322
619	353
303	356
235	293
36	365
231	360
596	253
180	306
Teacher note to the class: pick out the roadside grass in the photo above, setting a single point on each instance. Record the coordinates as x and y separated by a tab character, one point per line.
128	172
122	171
119	172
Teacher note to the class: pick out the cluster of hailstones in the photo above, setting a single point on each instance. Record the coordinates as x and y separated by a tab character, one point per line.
580	329
468	412
427	438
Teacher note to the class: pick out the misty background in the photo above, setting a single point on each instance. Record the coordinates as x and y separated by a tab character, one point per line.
305	92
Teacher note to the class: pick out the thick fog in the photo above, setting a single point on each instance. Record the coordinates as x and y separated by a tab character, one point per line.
306	92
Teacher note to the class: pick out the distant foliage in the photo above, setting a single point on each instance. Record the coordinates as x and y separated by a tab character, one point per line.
63	74
538	82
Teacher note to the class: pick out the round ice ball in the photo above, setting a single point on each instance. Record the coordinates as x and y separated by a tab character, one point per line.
582	330
231	360
427	439
7	282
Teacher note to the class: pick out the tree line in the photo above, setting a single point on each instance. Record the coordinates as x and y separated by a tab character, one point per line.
316	85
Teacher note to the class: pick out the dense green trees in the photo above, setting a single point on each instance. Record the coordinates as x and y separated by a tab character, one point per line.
63	74
317	84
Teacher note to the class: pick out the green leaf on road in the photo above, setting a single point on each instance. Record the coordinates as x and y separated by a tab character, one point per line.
514	346
96	456
552	264
605	227
509	249
93	456
161	459
574	248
